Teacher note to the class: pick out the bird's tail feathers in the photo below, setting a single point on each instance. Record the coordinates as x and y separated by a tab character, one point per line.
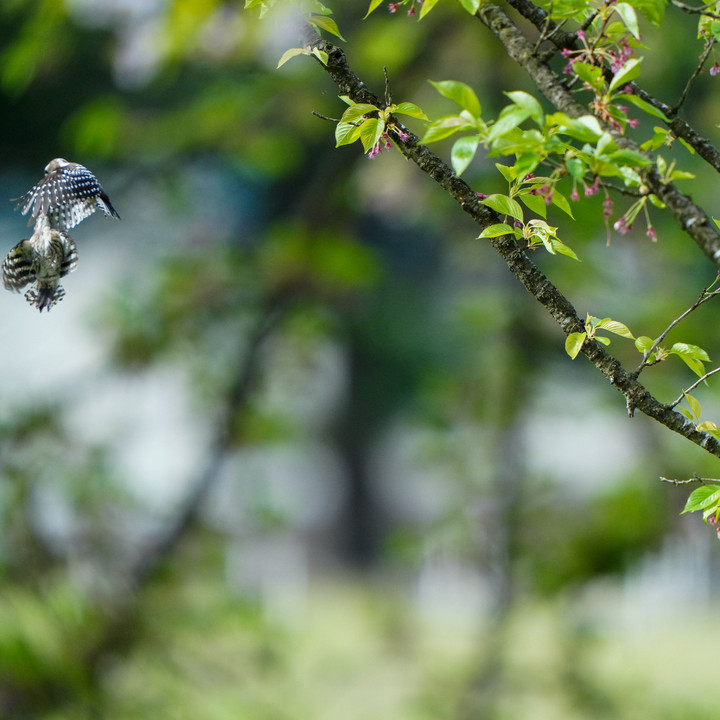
45	297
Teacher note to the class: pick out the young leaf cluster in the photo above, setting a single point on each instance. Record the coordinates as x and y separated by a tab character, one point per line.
653	353
372	125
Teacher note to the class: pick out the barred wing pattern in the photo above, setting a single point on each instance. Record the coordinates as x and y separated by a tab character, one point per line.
67	194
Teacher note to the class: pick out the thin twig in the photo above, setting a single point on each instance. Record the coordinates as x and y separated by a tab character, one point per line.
704	297
693	386
325	117
702	10
692	78
695	479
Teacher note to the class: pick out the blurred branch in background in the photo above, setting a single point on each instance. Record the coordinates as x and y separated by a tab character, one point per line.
294	445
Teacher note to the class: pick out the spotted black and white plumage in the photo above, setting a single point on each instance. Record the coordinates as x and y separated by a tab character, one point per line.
41	261
67	194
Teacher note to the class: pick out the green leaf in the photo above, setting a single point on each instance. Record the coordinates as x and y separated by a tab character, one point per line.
590	74
444	127
695	365
558	246
693	351
576	168
470	5
561	201
585	128
410	109
427	6
463	151
629	18
324	22
321	55
459	93
615	327
681	175
356	111
496	230
508	172
692	356
574	343
291	53
508	120
504	205
628	72
686	413
644	343
642	104
346	133
602	340
374	5
653	10
629	157
701	498
529	103
370	132
534	203
694	405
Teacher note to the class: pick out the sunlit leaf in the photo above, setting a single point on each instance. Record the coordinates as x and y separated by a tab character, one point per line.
529	103
504	205
291	53
427	6
701	498
694	405
496	230
463	152
629	71
574	343
459	93
410	109
370	132
535	203
615	327
374	4
470	5
629	18
325	23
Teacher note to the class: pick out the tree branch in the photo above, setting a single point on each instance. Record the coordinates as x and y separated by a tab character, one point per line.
539	286
691	218
679	127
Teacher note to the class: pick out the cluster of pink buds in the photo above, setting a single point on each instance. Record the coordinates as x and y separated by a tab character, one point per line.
382	144
393	6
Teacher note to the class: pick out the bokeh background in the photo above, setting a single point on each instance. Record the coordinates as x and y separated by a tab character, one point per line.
296	444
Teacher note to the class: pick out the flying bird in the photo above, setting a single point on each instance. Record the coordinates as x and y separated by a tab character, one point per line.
49	254
67	194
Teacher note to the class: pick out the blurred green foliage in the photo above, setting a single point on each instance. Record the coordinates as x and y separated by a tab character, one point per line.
444	364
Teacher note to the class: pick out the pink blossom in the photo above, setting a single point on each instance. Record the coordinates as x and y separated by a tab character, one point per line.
651	233
392	7
574	194
715	69
607	207
592	190
622	226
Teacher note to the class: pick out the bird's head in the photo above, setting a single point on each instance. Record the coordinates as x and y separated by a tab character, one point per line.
56	164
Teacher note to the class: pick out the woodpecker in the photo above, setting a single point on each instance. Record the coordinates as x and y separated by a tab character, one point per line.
67	194
49	254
